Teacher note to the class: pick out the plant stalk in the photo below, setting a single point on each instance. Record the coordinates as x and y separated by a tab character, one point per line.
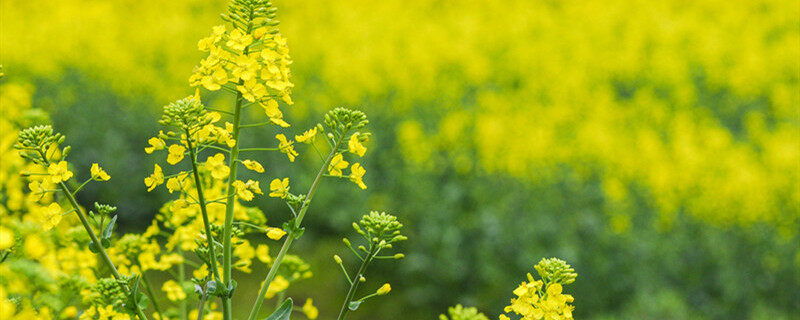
354	285
202	201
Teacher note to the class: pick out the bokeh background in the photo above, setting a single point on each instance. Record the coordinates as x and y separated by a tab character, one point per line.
655	145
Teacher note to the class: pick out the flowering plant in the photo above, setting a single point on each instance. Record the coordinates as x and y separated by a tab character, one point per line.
201	236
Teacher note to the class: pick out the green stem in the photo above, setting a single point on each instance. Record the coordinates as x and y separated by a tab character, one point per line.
182	279
290	237
85	222
150	293
354	285
202	202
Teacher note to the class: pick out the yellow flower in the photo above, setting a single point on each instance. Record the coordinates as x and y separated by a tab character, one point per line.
275	233
274	113
174	184
262	253
384	289
279	188
252	90
308	136
242	191
175	153
504	317
173	290
253	165
34	246
336	165
69	312
310	310
355	146
286	147
59	172
277	285
154	179
52	216
238	40
6	238
38	187
155	144
356	174
98	173
216	164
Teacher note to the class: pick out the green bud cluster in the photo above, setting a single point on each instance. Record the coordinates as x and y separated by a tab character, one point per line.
186	114
380	228
110	291
34	141
340	121
460	313
253	14
294	268
555	270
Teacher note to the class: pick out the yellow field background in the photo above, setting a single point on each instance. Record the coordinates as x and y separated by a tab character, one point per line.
655	144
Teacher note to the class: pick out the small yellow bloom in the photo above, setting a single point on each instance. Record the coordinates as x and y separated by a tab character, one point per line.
155	144
253	165
216	164
252	90
174	184
277	285
175	153
154	179
38	187
34	246
504	317
242	191
173	290
262	253
384	289
308	136
279	188
336	165
275	233
355	146
356	175
238	40
52	216
310	310
286	147
98	173
59	172
6	238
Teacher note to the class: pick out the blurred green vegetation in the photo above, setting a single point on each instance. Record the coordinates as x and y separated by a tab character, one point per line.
654	146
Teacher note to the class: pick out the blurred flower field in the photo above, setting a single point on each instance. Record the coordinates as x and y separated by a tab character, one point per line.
654	145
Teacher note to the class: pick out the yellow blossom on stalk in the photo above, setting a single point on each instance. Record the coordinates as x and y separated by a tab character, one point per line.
275	233
277	285
355	146
238	40
253	165
337	165
384	289
211	78
175	153
34	246
262	253
252	90
6	238
173	290
356	174
308	136
242	191
216	164
279	188
310	310
155	179
38	187
155	144
174	184
52	216
273	112
98	173
246	69
201	272
286	147
59	172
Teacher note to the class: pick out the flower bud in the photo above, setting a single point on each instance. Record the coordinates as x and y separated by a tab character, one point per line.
337	259
383	290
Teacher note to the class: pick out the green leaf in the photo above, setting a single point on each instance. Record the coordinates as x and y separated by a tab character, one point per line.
109	227
354	305
283	311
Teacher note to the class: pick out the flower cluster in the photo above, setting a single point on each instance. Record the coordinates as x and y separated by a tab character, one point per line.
544	299
459	312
